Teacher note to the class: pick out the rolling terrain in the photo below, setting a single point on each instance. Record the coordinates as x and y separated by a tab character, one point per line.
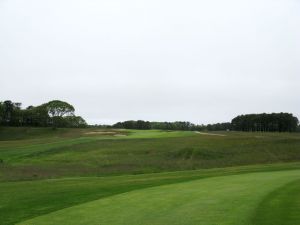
148	177
232	199
39	153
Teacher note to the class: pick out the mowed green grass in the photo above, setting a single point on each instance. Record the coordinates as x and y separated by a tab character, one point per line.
232	199
281	206
45	171
21	200
94	152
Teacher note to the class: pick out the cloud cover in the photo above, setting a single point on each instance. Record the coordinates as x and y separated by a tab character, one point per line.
201	61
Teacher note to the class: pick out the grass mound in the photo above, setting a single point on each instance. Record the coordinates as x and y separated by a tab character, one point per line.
219	200
44	171
94	152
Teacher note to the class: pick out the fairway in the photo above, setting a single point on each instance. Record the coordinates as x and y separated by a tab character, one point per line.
150	112
225	200
137	177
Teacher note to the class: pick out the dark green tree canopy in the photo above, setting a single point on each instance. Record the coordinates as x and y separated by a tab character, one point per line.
62	114
57	108
274	122
54	113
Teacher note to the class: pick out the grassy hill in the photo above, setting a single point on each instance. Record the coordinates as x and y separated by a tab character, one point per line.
219	200
22	200
39	153
44	170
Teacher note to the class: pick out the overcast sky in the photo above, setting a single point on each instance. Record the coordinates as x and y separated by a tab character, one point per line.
163	60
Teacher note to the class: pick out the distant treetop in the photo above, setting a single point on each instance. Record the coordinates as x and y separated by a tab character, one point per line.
54	113
274	122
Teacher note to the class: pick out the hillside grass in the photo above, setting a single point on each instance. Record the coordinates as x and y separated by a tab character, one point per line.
22	200
231	199
93	152
43	170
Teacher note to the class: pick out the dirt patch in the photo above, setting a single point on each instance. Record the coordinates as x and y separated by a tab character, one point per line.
101	132
211	134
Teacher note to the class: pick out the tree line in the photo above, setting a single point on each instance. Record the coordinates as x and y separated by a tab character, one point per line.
274	122
55	113
58	113
178	125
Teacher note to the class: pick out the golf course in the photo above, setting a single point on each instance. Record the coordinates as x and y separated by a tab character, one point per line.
152	177
150	112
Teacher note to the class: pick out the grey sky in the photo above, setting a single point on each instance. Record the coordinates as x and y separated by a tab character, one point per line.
201	61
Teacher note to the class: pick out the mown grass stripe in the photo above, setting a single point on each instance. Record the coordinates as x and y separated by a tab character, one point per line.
227	200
